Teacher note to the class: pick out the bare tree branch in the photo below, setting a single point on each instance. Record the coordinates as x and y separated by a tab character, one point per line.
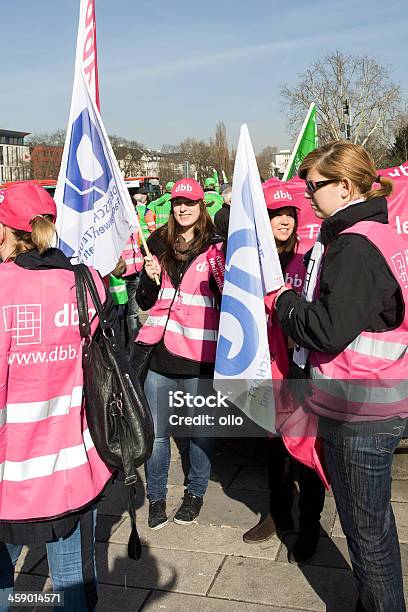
373	99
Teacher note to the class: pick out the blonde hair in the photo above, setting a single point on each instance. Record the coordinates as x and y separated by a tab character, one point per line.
40	238
343	159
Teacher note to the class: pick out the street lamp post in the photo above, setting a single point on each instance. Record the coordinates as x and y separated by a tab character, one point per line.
345	126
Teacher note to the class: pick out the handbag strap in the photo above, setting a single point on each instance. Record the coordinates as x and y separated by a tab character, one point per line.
85	278
82	304
84	281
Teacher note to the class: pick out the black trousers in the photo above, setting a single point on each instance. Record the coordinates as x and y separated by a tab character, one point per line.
281	475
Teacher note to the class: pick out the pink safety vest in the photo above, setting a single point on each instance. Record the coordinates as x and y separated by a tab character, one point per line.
368	379
132	255
186	318
295	275
48	462
297	427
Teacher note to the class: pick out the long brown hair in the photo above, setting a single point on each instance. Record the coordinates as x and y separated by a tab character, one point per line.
290	245
343	159
169	233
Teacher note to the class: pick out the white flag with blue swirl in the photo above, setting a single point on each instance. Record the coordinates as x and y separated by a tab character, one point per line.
95	215
252	269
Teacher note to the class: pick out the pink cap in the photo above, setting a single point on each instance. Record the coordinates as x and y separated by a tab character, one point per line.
277	197
187	188
23	201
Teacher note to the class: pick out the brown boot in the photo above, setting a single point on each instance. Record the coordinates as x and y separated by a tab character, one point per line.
262	532
266	528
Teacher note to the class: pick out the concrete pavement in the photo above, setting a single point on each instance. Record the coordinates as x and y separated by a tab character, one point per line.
206	566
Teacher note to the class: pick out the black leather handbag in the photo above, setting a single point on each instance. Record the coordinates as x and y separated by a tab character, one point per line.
117	411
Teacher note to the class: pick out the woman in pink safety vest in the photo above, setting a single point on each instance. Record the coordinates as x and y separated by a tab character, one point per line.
133	257
284	221
51	475
180	338
351	331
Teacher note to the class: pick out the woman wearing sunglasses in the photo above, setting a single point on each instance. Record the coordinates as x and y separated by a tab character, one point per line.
180	335
283	216
351	328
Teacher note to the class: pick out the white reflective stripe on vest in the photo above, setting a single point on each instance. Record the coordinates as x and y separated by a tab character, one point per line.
38	467
355	391
31	412
132	260
187	298
382	349
155	321
166	294
118	289
193	333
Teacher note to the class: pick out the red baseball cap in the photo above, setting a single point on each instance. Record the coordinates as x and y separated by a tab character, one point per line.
277	196
187	188
23	201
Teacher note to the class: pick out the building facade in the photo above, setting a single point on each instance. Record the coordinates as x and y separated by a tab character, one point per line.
45	161
14	156
281	161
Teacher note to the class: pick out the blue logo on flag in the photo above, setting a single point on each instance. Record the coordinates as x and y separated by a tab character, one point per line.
86	190
251	284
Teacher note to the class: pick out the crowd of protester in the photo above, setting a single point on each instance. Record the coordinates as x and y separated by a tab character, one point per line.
341	336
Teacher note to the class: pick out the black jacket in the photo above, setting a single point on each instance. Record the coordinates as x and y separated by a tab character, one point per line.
357	289
221	220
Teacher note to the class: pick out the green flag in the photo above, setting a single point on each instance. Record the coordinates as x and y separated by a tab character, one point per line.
217	183
306	142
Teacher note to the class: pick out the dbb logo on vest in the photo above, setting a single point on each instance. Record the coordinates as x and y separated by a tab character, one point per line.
67	316
201	267
400	262
295	281
181	188
24	321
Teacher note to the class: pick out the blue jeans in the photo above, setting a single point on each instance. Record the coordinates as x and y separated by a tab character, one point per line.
132	317
359	460
157	389
65	563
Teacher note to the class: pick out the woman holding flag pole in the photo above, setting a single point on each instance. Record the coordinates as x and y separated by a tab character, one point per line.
178	341
283	216
351	328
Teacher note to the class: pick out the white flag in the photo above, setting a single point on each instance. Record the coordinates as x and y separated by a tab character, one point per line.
95	215
252	269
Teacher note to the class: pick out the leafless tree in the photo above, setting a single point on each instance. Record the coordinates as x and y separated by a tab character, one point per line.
128	154
220	151
171	164
264	160
398	150
52	139
200	155
373	99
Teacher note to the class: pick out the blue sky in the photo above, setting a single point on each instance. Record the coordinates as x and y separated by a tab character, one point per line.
172	70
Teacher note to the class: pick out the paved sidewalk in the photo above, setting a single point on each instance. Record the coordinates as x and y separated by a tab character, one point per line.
206	566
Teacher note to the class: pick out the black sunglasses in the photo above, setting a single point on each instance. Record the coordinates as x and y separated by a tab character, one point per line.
313	186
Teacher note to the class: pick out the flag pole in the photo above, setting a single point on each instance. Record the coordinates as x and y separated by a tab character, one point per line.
299	138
